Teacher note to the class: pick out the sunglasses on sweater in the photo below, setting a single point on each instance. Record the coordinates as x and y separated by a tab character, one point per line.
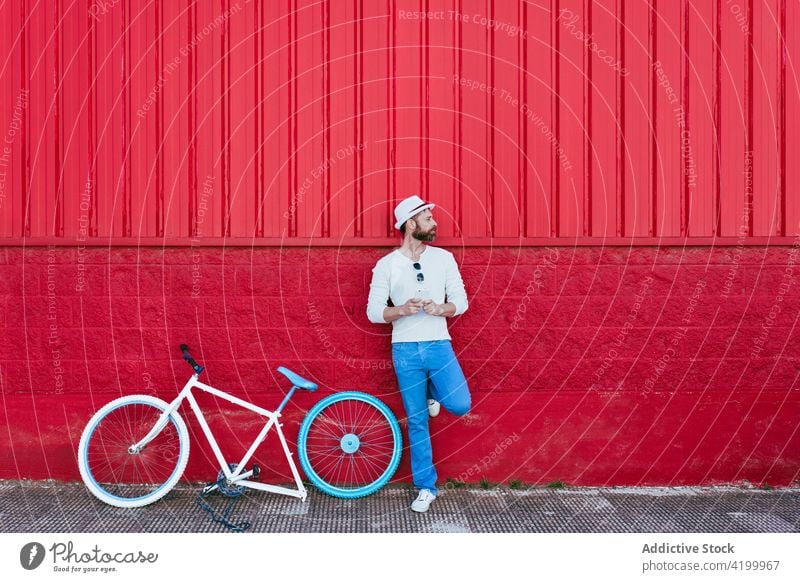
420	276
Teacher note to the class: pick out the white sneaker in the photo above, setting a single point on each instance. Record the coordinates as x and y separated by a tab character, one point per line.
433	407
423	501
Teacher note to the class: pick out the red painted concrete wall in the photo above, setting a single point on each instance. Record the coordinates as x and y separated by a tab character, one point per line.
594	366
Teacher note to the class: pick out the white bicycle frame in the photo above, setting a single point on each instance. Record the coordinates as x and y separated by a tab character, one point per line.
237	477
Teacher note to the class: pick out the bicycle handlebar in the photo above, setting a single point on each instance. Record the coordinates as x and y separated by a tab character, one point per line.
188	357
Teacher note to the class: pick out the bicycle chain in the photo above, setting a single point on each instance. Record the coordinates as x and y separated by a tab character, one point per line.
222	518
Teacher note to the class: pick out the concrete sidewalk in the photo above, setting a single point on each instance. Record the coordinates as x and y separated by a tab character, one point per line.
46	506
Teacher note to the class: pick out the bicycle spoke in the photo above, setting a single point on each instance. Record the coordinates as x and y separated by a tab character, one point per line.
320	428
369	463
340	423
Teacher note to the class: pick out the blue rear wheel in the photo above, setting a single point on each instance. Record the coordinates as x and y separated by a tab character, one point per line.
349	444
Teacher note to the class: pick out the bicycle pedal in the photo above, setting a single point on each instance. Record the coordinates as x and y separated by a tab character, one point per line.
256	471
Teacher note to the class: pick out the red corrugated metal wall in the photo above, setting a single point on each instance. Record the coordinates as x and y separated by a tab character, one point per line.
161	121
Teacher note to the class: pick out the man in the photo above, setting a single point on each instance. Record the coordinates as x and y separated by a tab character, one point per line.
425	287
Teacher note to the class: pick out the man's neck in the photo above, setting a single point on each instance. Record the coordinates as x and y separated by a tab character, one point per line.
412	247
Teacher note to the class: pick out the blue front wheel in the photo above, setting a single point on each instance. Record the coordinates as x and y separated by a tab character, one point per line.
349	444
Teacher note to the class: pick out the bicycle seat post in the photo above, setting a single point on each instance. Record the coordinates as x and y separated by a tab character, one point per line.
286	399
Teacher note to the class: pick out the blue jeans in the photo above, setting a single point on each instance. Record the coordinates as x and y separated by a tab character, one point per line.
422	367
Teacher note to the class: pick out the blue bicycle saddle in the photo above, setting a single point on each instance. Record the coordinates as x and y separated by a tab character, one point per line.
297	380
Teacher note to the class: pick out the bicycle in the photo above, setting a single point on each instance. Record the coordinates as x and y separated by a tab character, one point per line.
134	450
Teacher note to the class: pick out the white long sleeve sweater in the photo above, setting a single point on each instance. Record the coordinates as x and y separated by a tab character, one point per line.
395	277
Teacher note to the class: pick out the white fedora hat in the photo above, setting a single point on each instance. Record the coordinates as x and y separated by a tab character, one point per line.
408	208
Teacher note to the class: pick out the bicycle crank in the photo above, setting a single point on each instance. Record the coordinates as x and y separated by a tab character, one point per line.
228	487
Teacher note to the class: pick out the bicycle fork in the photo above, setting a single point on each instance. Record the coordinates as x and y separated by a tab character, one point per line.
162	421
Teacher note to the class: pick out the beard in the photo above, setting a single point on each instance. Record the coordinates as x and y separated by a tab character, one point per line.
427	236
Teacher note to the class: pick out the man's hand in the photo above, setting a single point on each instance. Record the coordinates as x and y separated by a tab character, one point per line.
432	308
412	306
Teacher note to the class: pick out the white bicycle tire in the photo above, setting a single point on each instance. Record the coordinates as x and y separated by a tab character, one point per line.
86	474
